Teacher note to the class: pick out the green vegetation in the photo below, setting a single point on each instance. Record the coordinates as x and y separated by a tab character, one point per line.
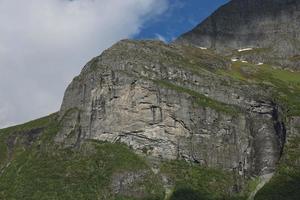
286	182
188	193
196	182
38	123
5	133
200	60
72	174
248	71
3	152
282	186
250	186
254	51
47	171
200	99
285	84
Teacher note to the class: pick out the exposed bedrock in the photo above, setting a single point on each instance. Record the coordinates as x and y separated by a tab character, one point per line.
113	101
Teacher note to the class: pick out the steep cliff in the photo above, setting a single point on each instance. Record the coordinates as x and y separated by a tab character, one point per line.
270	26
149	120
172	108
203	126
175	102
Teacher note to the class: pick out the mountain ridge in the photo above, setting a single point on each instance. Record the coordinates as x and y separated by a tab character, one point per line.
149	120
272	25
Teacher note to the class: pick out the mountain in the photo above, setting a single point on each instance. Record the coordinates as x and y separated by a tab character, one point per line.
149	120
270	27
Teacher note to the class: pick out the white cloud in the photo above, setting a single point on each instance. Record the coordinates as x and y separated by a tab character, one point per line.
45	43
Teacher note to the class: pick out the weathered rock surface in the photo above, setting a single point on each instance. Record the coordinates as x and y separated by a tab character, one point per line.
203	99
269	25
154	98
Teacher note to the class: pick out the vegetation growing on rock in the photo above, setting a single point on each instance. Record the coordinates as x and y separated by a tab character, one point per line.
153	121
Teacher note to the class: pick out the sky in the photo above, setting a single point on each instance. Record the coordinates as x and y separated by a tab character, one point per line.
44	44
180	17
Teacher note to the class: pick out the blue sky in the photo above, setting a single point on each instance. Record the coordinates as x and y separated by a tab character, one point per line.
181	16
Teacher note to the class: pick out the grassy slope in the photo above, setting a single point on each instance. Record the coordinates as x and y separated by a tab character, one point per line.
285	84
5	133
70	174
286	182
194	182
46	171
200	99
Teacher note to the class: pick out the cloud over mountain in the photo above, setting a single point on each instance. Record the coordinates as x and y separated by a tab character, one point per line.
43	44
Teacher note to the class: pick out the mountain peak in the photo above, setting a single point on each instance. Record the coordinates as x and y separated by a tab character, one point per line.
268	24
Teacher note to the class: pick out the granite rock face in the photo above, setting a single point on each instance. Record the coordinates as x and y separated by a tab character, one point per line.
269	25
155	99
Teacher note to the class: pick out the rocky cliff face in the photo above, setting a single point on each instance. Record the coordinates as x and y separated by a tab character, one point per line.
269	25
217	97
154	98
206	123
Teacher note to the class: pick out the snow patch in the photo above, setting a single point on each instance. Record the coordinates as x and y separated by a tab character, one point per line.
260	63
246	49
203	48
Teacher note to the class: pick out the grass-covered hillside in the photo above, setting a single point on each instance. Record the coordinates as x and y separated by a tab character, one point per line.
285	83
33	167
286	182
39	169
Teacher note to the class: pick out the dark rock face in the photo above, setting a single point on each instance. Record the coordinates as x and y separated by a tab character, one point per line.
269	132
269	24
